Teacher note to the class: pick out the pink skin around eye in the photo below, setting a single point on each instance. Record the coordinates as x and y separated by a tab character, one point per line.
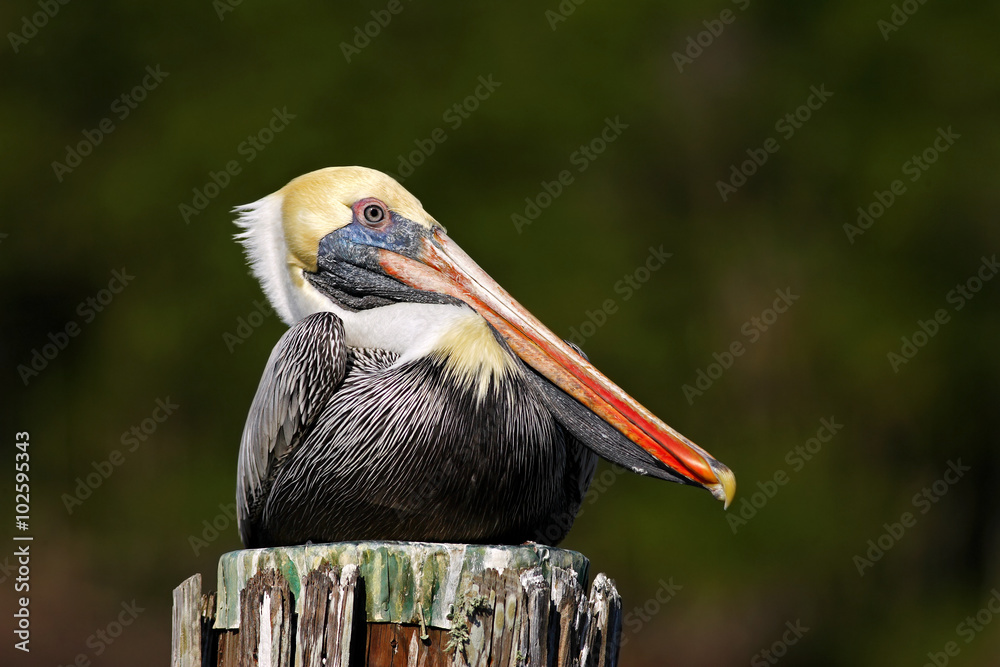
359	211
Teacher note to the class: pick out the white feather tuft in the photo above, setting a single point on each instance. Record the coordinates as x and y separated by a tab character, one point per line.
263	238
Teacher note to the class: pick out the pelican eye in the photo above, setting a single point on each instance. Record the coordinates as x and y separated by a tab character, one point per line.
374	214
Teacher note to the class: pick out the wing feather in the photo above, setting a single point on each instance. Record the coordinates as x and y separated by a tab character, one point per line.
303	372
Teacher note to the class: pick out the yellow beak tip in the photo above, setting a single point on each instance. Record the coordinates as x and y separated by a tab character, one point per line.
725	490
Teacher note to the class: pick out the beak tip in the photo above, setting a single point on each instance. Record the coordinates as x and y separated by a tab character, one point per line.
725	489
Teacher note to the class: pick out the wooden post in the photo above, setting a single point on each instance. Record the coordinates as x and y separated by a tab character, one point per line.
381	604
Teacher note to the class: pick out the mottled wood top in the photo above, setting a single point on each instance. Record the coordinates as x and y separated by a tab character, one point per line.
404	582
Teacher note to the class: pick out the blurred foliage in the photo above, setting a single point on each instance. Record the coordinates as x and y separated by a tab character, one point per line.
164	335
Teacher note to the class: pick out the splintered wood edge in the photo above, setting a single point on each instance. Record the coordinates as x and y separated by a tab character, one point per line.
266	618
600	634
185	643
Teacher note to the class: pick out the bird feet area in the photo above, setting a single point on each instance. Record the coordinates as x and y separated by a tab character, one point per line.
374	603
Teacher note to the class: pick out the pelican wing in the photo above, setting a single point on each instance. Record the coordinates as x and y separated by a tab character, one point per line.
304	370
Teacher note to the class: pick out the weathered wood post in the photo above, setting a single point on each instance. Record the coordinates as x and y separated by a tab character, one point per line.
375	604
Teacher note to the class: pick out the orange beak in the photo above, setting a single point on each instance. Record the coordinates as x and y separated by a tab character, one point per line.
443	267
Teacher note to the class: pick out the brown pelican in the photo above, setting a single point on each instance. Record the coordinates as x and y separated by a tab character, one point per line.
413	398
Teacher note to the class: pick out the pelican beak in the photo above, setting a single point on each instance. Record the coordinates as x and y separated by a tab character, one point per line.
442	266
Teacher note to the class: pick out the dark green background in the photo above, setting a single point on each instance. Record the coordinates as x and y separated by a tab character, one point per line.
163	336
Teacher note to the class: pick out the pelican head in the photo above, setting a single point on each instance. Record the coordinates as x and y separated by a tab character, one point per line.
353	241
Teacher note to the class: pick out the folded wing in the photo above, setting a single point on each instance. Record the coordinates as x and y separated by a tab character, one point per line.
304	371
